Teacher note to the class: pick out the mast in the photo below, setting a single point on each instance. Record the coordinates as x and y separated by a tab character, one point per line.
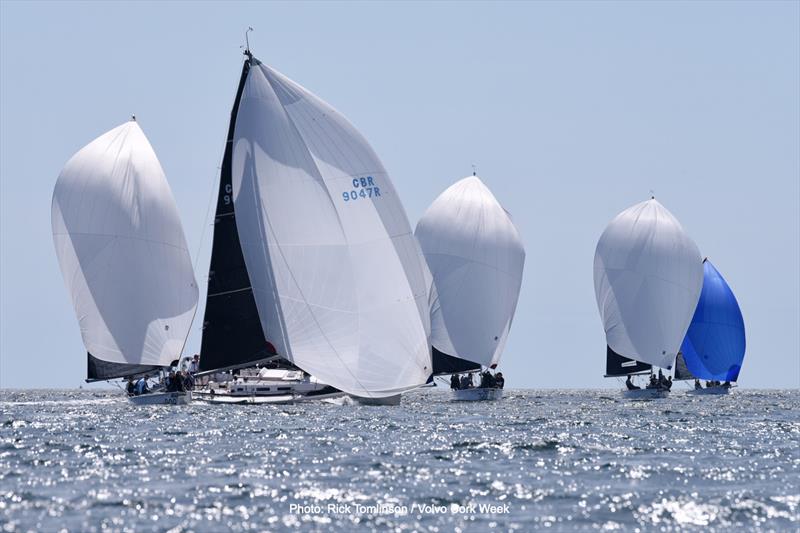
232	333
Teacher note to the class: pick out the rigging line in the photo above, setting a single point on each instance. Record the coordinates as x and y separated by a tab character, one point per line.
208	207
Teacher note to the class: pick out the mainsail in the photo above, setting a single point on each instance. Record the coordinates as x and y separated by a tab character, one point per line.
232	334
123	255
618	365
714	346
476	257
336	273
647	279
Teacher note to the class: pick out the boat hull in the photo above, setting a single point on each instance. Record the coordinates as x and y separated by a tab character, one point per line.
645	394
388	400
275	399
162	398
477	395
712	391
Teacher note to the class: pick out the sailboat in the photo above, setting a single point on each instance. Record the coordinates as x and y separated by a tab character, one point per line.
314	265
714	346
647	279
476	258
124	258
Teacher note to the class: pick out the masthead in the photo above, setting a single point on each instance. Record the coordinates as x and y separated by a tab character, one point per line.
247	42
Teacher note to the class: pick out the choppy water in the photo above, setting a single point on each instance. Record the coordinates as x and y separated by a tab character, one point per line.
568	460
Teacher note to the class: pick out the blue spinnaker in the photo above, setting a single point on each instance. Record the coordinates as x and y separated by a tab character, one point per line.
715	343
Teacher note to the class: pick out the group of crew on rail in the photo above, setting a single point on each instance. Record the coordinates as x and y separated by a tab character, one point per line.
178	380
487	381
656	383
711	383
665	383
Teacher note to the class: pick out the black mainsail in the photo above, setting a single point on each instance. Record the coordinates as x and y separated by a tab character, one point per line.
232	333
447	364
619	365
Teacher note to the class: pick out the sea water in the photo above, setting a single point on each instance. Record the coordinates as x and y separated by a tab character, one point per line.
566	460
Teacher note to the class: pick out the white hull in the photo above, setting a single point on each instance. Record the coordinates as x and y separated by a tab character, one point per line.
388	400
645	394
477	395
253	399
712	391
274	386
162	398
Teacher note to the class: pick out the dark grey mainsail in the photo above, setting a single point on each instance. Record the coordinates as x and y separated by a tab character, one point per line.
682	372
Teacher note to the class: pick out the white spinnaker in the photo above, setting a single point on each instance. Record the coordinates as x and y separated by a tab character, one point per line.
476	257
335	270
647	279
122	251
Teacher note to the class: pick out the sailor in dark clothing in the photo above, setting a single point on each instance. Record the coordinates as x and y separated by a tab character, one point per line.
499	380
697	384
653	383
669	383
175	383
454	382
487	380
131	388
726	385
188	380
466	381
630	385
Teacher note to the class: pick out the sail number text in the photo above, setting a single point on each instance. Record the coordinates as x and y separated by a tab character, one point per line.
362	188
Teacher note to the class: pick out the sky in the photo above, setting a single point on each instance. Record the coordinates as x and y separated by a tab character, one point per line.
571	112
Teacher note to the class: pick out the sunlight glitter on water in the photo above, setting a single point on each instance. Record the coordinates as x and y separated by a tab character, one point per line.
562	459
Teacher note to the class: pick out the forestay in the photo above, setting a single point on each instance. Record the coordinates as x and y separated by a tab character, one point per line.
714	346
336	273
647	278
123	254
476	257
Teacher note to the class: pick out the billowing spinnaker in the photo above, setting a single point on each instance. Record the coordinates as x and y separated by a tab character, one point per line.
122	252
715	343
336	273
476	257
647	278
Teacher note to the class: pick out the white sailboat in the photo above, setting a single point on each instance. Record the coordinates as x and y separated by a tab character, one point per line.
124	258
323	270
647	277
476	257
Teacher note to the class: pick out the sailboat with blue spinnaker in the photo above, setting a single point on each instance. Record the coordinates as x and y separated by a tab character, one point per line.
714	346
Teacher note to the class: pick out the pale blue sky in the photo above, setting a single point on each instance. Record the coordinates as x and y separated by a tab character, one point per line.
571	112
